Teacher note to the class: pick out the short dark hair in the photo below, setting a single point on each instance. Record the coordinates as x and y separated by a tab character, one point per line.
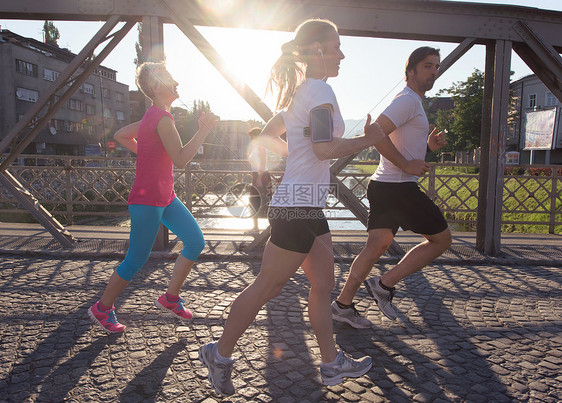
417	56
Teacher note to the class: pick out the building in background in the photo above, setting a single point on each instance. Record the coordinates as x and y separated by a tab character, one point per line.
228	141
137	105
434	104
85	124
535	124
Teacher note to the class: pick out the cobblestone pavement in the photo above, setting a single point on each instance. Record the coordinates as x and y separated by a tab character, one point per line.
464	333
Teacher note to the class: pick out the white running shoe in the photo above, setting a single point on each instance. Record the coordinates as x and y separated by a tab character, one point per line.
350	316
344	366
382	297
219	371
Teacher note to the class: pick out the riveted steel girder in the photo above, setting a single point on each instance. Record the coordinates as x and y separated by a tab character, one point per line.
401	19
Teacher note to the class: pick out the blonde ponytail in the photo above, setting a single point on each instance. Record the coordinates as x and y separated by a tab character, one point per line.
289	71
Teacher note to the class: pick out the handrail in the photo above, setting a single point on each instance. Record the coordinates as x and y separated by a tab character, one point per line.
74	188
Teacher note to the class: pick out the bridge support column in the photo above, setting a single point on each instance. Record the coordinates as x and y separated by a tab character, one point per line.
494	128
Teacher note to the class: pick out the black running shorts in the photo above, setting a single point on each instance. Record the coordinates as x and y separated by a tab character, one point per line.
296	228
403	205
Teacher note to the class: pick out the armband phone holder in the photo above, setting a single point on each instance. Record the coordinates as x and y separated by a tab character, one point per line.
321	125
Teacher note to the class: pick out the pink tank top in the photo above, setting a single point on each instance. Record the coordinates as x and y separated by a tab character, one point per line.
154	180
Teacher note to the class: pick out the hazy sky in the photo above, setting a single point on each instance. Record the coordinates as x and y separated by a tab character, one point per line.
370	75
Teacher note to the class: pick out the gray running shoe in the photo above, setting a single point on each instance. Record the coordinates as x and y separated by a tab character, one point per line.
382	297
219	372
346	366
349	316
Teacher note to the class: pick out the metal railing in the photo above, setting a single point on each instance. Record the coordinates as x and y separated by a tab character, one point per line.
72	188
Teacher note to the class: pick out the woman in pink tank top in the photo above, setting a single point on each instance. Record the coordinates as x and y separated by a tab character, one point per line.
152	199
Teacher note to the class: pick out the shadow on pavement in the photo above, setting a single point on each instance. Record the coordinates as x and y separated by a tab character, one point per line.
146	384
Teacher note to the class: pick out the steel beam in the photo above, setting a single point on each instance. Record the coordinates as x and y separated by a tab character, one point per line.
401	19
500	107
153	39
153	51
535	64
178	12
259	240
494	130
541	47
540	56
486	126
455	55
28	201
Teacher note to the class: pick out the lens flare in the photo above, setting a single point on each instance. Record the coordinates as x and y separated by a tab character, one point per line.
277	352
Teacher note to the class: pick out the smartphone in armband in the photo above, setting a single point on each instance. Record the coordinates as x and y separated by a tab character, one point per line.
321	125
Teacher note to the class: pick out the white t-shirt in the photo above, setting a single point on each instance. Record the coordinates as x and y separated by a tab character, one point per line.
254	158
410	137
306	181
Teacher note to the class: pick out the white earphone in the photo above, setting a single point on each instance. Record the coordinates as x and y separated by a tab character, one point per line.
324	64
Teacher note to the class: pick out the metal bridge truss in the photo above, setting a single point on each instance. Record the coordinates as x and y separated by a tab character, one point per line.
534	34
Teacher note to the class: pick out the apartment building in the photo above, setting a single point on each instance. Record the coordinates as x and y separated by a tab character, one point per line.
85	124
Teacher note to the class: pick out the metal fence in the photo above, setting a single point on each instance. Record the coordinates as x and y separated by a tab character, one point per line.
74	188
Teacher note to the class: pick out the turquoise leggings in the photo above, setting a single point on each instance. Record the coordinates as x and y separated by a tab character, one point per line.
145	222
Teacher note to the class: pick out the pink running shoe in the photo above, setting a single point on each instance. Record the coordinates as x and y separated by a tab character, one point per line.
176	308
107	319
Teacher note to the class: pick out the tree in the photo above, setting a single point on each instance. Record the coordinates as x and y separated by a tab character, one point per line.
434	107
180	119
187	120
51	33
465	119
200	106
138	47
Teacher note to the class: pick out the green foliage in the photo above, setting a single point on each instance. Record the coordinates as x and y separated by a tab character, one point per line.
366	169
200	106
514	171
138	47
445	170
51	33
463	121
540	171
187	120
432	156
181	117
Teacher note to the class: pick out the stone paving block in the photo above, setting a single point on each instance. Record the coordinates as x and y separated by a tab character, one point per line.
519	387
399	396
350	397
511	359
423	397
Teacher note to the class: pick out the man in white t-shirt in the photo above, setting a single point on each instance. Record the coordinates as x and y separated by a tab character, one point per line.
395	198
